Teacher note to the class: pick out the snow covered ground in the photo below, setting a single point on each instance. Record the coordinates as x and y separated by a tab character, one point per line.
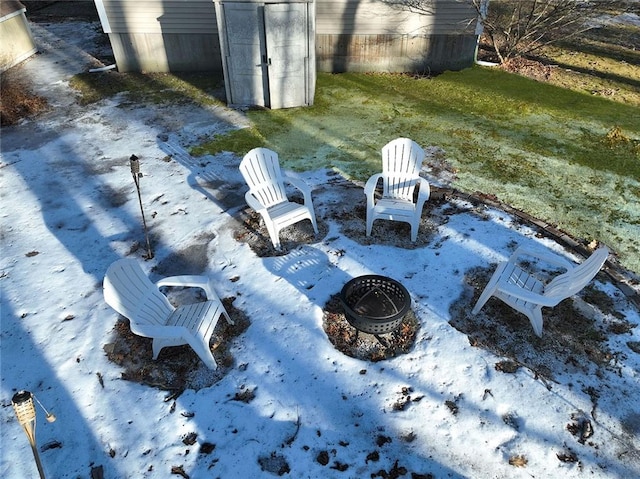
289	403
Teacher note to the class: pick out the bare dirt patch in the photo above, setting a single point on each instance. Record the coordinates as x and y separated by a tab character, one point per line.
253	231
349	212
177	368
346	339
529	68
60	10
575	337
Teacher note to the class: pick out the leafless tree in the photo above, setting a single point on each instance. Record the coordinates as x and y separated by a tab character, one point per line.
519	27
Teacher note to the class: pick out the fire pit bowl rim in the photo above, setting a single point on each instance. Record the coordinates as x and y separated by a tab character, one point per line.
372	324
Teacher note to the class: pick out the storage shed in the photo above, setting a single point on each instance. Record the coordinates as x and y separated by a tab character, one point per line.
350	35
310	35
16	41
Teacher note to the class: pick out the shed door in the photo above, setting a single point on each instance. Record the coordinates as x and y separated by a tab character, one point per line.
287	53
246	60
268	54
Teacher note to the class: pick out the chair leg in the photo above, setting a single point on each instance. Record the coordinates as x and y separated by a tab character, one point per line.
369	223
203	351
156	347
273	233
484	297
312	217
535	318
159	343
489	289
414	232
226	316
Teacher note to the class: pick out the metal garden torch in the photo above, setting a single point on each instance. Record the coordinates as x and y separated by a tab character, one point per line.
26	412
135	172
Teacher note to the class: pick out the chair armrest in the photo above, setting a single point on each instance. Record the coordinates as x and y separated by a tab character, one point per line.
372	182
550	258
191	281
423	193
298	183
529	296
253	202
370	189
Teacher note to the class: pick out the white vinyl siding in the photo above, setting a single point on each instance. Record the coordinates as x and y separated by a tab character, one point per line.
360	17
350	35
375	17
160	16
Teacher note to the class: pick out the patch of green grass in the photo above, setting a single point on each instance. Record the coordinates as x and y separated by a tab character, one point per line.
471	113
567	157
622	154
236	141
602	61
617	42
202	88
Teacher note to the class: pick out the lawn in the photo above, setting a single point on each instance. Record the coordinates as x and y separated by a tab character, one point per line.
568	157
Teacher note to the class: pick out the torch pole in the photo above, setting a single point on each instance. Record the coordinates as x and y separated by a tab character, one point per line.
37	458
135	172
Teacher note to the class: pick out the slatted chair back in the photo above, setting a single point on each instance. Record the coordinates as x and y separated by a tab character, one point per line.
401	162
571	282
261	170
128	290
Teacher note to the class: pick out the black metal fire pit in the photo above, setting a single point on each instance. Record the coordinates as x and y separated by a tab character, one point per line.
375	304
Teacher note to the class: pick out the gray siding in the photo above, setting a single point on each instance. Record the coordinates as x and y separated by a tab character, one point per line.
351	35
162	35
150	52
160	16
375	17
424	54
371	35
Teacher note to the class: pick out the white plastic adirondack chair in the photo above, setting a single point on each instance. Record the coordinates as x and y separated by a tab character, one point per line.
401	162
130	292
526	294
261	170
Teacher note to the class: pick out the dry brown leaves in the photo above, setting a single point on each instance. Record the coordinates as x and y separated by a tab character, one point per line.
571	340
177	368
368	347
17	101
529	68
